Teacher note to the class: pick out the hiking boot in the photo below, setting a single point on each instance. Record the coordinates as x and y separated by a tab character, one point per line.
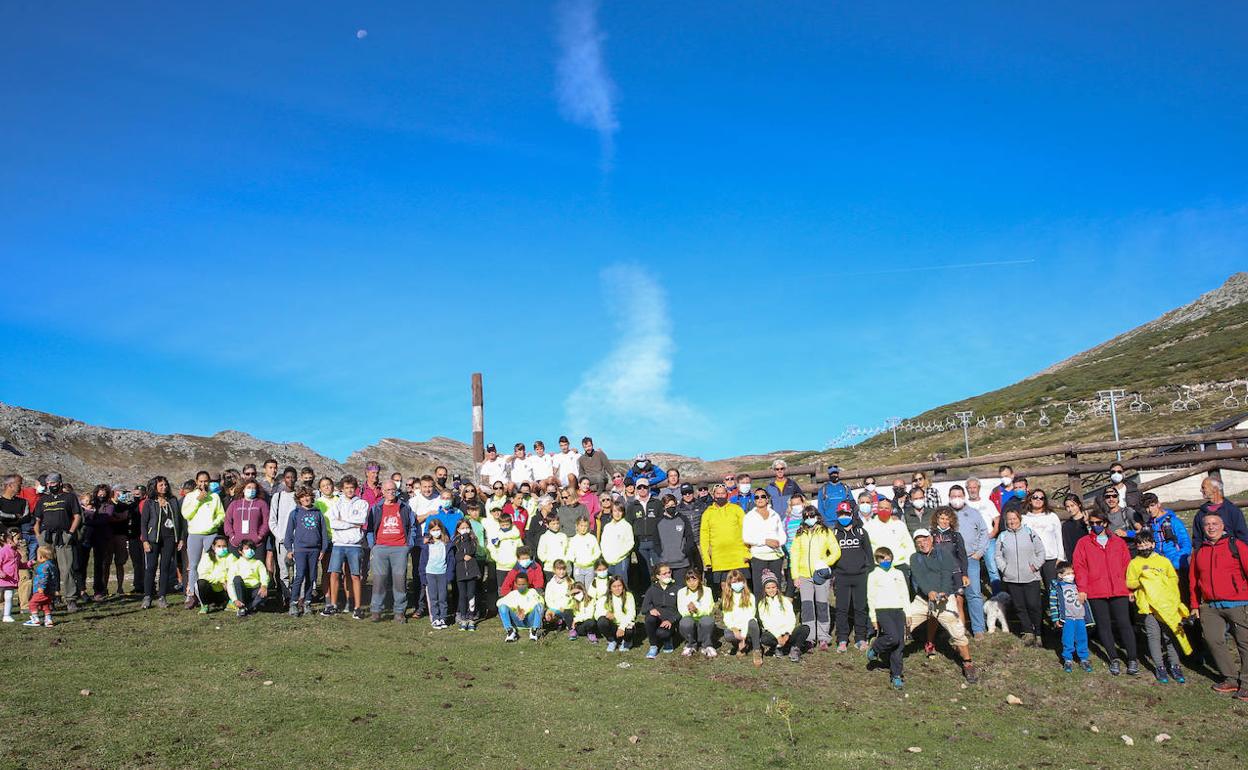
1226	686
1239	695
758	658
1087	666
1068	666
1161	675
71	606
146	604
795	655
1133	667
375	617
968	670
898	683
162	603
1115	667
1176	673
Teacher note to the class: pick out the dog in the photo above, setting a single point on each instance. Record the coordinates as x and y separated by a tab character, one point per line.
994	612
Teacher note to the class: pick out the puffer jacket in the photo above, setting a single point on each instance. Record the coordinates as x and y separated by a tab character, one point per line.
1020	554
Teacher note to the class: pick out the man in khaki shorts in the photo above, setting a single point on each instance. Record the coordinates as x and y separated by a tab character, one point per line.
932	577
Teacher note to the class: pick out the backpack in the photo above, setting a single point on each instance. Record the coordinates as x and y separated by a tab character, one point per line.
1232	543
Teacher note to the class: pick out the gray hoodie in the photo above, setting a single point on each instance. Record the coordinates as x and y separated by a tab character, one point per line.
1020	554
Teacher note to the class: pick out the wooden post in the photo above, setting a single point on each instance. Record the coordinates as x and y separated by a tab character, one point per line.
1073	479
478	424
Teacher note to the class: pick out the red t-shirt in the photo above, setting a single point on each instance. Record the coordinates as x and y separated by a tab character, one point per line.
390	530
30	496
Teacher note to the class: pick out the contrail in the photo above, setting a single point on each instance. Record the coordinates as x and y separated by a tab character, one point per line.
926	268
586	93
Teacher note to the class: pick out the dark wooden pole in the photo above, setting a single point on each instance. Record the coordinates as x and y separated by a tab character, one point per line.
478	424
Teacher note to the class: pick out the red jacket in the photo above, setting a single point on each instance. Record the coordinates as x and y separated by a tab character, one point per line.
536	579
1216	575
1101	572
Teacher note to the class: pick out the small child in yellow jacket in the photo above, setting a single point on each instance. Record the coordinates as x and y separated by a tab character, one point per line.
888	596
1157	600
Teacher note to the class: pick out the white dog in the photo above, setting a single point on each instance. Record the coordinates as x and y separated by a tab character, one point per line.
994	612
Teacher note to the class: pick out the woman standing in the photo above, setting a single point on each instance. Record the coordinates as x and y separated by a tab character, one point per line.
1074	523
1100	563
247	518
1020	555
1041	520
814	550
163	534
763	533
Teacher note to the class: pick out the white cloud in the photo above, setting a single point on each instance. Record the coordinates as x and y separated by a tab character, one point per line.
623	400
586	93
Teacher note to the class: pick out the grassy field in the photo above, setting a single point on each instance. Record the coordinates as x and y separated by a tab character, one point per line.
174	689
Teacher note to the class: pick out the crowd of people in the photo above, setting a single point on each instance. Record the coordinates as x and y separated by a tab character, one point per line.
568	543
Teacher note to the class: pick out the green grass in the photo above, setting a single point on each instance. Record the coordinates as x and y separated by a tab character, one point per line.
174	689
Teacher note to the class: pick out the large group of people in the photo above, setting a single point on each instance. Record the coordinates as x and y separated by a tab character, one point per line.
569	543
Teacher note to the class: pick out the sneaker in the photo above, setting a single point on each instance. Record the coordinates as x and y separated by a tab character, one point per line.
669	648
1239	695
872	655
929	649
47	623
1176	673
898	683
862	645
968	670
711	652
8	619
980	636
571	634
33	622
1115	667
776	653
795	655
511	635
189	604
203	610
71	607
823	647
98	597
1087	666
593	638
358	613
329	611
1226	686
624	647
401	619
611	646
293	611
532	635
842	646
472	625
1068	666
146	604
242	613
687	652
1028	640
1133	667
162	603
652	653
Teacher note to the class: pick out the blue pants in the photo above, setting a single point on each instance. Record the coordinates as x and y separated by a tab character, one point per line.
990	561
619	569
436	592
511	620
1075	639
388	564
32	544
648	553
305	576
974	598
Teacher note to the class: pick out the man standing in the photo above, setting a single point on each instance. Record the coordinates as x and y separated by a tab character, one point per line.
671	488
493	468
743	495
1219	599
781	489
644	512
521	470
270	476
1217	504
992	520
594	465
15	511
1128	489
720	541
832	494
371	492
974	531
567	463
391	532
58	515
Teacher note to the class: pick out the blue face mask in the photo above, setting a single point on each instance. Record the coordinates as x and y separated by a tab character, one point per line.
886	563
524	563
845	520
249	553
214	487
1098	528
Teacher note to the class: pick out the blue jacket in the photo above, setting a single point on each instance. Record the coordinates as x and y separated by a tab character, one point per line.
47	578
452	560
305	531
830	496
655	475
780	500
406	517
1231	515
1170	539
746	501
449	519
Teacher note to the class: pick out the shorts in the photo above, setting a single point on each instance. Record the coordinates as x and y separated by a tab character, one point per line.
40	602
348	553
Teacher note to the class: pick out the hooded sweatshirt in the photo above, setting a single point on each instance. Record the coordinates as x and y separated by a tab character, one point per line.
305	531
663	599
675	539
203	517
857	555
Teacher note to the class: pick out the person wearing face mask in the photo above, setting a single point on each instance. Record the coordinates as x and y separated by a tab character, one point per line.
763	532
1128	490
1041	520
1100	564
1020	555
521	607
1074	523
888	596
675	541
815	549
723	550
247	518
743	495
850	573
740	616
660	612
871	491
1004	492
525	565
58	516
644	468
887	530
213	572
899	494
645	512
248	582
204	515
916	508
974	532
1157	599
832	494
437	571
1170	538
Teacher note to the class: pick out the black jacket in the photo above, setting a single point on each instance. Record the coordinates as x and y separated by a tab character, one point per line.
645	519
662	599
857	557
149	521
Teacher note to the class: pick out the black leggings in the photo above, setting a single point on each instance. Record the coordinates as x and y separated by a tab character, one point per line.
798	637
1026	600
466	593
608	627
657	635
586	627
1110	614
851	589
166	552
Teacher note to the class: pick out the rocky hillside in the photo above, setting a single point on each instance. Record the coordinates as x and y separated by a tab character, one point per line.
416	457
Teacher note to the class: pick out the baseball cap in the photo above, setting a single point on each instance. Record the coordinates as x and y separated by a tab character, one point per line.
564	440
686	489
642	482
921	532
844	506
834	469
491	448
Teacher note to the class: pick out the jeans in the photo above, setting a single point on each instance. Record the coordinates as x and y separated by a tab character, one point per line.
990	561
196	547
1075	639
974	598
1111	613
348	554
250	597
166	553
892	638
698	632
436	593
1214	622
584	575
465	595
815	611
388	564
512	620
619	569
851	589
32	544
648	554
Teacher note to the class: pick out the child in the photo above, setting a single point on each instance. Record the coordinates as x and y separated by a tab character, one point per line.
740	623
524	566
44	586
249	580
780	630
306	540
584	551
584	621
558	599
888	597
697	620
814	550
11	561
599	580
214	573
659	608
617	542
467	575
522	606
617	615
1156	585
437	571
1070	613
552	546
505	540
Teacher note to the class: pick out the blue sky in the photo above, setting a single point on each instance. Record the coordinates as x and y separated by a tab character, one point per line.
691	227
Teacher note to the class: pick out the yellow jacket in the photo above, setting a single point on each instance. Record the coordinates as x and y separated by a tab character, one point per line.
522	603
704	603
743	611
203	517
552	546
817	544
623	607
886	590
252	571
617	541
584	550
557	596
217	573
584	610
502	546
1156	587
720	537
775	615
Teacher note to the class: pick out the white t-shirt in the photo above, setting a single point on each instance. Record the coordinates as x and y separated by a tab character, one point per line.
543	466
569	464
521	470
494	470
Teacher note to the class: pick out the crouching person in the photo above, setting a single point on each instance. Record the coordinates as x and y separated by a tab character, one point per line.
740	623
214	573
932	576
697	621
658	606
780	631
521	607
249	580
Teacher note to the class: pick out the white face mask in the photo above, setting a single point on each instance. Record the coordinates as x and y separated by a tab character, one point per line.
602	575
864	508
738	587
1006	481
870	487
957	502
1116	478
811	521
921	503
743	488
